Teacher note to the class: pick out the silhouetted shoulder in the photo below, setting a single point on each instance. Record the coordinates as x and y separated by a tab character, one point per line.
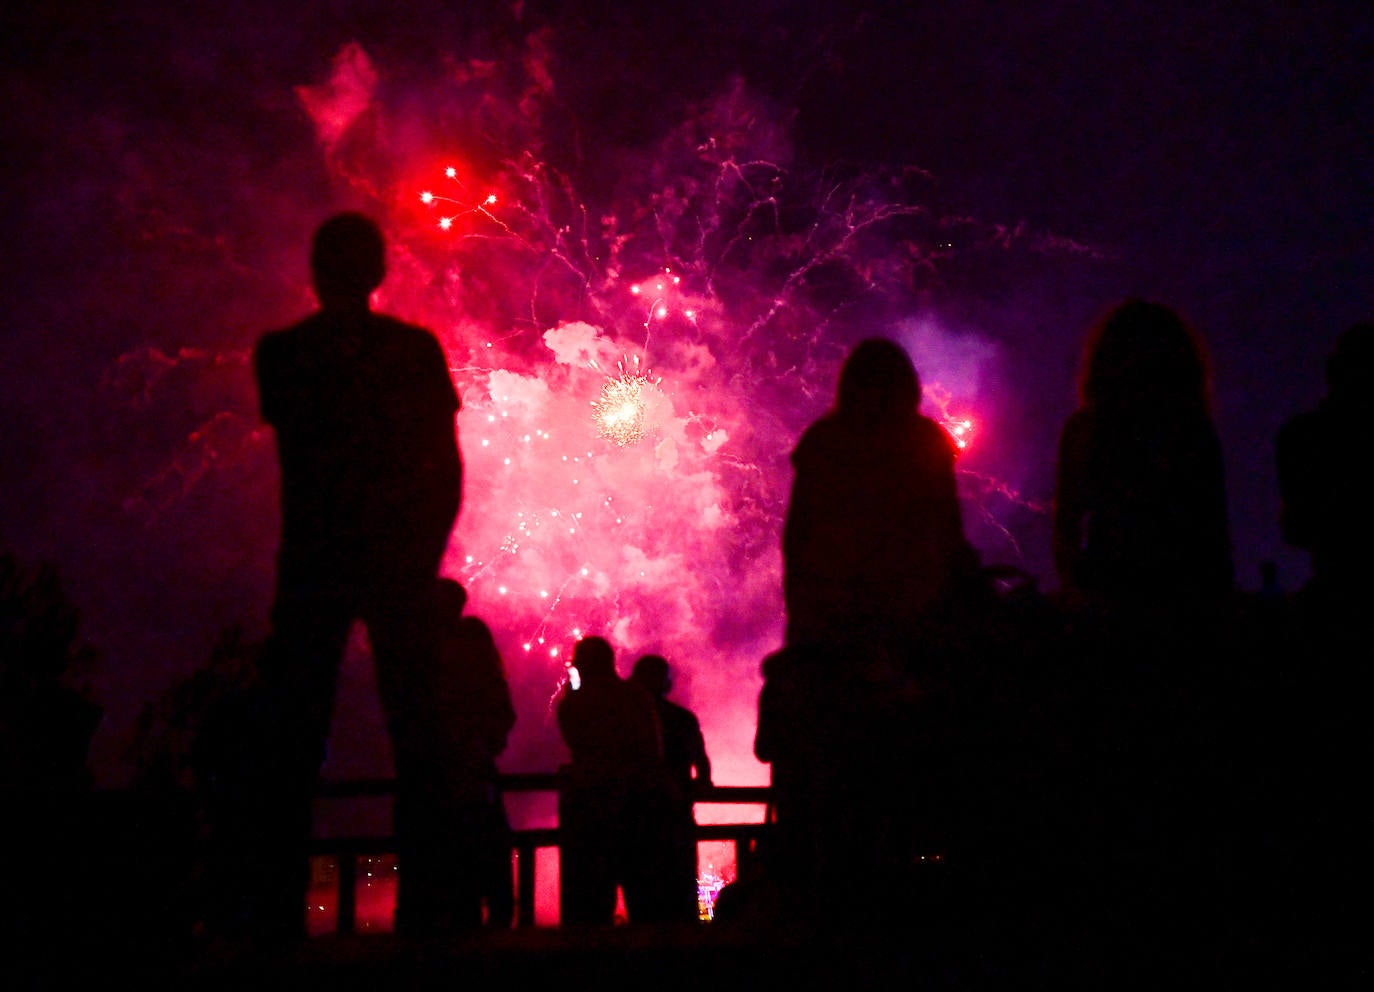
835	441
931	437
351	351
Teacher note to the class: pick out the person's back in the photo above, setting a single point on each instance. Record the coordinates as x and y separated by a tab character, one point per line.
1323	462
1143	555
362	406
1140	499
689	773
474	716
684	747
873	537
1314	809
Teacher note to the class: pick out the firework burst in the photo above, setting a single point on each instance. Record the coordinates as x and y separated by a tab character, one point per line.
622	410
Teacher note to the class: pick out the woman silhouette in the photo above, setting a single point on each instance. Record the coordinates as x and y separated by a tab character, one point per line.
1140	501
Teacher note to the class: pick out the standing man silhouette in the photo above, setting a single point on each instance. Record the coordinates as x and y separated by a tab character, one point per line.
684	754
363	409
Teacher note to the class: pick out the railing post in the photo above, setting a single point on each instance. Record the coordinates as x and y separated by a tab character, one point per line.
524	881
348	892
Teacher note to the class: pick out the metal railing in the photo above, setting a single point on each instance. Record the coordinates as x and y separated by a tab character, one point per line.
346	850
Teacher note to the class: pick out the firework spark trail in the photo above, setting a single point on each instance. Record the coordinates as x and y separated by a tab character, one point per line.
619	412
223	437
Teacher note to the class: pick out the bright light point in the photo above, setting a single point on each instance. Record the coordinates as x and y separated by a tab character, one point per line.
575	481
960	431
585	573
553	652
445	223
451	172
663	311
526	439
543	594
501	590
491	198
488	344
634	290
676	280
486	443
468	559
491	418
690	314
507	461
426	197
528	645
619	410
660	287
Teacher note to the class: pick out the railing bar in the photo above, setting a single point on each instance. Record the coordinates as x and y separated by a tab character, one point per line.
524	841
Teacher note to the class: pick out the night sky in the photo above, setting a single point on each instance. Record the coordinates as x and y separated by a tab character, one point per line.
976	179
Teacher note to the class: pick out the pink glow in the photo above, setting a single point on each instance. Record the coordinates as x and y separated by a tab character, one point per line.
649	514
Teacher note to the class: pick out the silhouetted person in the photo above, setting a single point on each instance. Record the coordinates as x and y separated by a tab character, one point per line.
473	695
684	754
1320	680
1323	461
831	727
1143	554
874	557
614	803
363	410
873	538
1140	520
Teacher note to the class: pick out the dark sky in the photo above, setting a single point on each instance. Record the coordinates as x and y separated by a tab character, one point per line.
162	172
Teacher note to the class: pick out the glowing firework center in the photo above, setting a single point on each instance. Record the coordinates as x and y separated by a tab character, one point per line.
628	407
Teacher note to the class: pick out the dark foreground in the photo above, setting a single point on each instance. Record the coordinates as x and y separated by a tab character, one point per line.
993	951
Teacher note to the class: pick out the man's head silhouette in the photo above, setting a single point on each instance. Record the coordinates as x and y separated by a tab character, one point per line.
347	260
594	659
878	382
651	671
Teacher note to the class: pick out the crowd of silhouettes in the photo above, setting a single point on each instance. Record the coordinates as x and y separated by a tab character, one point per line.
616	803
943	743
1084	762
